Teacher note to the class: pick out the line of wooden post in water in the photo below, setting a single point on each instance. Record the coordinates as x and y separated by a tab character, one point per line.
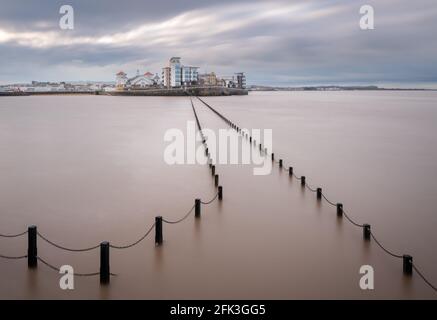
367	234
104	271
105	274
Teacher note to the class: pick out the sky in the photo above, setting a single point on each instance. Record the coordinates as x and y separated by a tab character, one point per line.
280	43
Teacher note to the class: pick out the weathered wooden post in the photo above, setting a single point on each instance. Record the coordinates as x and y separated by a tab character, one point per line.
158	230
105	274
216	180
366	231
273	156
407	264
197	208
213	170
339	210
220	192
206	151
32	251
302	181
319	193
280	163
290	171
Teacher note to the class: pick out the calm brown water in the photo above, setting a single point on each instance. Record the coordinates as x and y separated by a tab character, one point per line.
87	169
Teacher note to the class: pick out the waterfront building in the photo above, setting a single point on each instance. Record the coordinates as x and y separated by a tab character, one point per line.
208	79
175	72
166	75
190	75
240	80
156	79
121	79
177	75
139	81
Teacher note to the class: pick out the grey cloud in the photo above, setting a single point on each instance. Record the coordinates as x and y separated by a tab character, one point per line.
319	42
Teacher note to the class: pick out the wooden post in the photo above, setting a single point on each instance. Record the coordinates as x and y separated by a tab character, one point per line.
407	264
220	192
32	251
197	208
290	171
339	210
302	181
366	231
158	230
273	156
319	193
216	180
280	163
104	263
213	170
206	151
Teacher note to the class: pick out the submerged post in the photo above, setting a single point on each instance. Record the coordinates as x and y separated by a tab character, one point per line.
220	192
260	146
366	231
104	263
280	163
158	230
273	156
290	171
213	170
197	208
216	180
407	264
32	251
319	193
339	210
206	151
302	181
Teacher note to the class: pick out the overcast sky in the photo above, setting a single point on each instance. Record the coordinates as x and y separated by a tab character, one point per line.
274	42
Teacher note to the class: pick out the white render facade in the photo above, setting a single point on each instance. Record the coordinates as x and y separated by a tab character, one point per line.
189	75
176	74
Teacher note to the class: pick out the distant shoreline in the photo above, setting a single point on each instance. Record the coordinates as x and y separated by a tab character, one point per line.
333	88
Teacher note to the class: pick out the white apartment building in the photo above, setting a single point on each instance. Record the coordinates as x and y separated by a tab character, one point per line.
176	74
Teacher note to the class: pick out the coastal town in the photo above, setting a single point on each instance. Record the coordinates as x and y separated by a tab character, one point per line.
174	78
